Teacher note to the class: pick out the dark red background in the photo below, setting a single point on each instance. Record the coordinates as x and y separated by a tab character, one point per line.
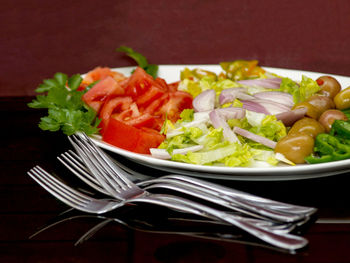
39	38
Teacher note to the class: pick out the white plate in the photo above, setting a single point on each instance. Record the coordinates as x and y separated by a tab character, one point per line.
171	73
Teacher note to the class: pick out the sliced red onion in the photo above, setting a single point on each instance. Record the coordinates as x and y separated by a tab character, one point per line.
229	95
254	137
252	105
219	122
244	96
265	106
271	83
163	154
276	96
273	107
289	117
232	113
205	101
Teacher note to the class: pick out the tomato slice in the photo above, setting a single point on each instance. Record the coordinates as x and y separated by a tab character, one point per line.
138	83
153	107
130	138
173	86
97	95
176	103
143	88
113	107
131	112
101	73
146	120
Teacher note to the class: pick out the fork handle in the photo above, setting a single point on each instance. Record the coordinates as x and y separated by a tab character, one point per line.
231	193
285	241
236	203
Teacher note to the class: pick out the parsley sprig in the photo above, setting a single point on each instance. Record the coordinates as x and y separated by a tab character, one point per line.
66	109
141	60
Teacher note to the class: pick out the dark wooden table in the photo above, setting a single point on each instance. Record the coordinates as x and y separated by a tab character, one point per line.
26	207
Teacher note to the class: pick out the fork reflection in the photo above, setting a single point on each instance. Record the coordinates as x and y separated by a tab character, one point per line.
172	224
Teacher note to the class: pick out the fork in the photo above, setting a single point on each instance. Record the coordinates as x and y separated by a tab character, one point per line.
74	163
122	188
85	203
76	167
222	192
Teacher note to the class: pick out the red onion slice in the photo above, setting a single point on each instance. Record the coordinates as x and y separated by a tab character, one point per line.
254	137
252	105
276	96
289	117
265	106
205	101
219	122
229	95
163	154
273	107
272	83
232	113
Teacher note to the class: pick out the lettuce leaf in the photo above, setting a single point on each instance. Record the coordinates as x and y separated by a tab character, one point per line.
301	92
308	87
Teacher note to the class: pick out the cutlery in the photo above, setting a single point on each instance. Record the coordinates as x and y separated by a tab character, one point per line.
124	189
86	203
229	197
75	165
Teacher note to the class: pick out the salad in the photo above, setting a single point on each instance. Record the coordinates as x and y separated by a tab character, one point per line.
243	116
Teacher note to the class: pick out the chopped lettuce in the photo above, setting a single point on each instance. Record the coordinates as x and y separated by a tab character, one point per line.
206	82
187	115
308	87
301	92
208	157
218	151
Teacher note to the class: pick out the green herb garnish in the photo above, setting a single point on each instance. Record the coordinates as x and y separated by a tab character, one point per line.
141	60
66	109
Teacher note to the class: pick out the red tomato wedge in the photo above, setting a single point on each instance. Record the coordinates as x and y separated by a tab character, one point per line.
143	88
113	107
130	138
175	104
101	73
98	94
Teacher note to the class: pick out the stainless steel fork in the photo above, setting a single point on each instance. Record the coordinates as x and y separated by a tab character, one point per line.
231	196
122	188
74	163
85	203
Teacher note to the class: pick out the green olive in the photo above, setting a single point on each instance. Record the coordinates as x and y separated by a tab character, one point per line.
329	86
295	147
342	99
322	103
307	125
329	116
311	112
